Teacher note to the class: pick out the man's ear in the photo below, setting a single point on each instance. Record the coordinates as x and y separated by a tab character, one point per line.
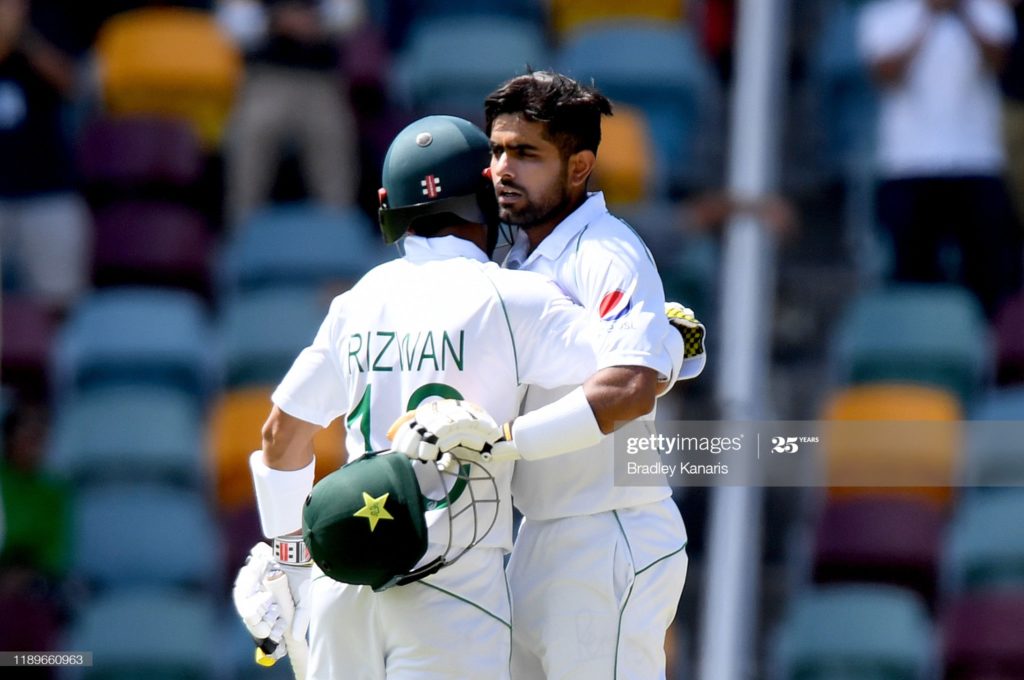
581	164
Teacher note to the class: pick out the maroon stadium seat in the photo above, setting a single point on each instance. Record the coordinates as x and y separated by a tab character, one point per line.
880	539
152	243
983	637
28	330
134	151
1010	341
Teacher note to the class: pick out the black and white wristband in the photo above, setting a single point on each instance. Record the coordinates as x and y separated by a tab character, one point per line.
291	550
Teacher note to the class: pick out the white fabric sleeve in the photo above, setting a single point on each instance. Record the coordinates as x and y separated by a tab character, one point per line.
618	283
885	28
313	389
555	339
280	495
565	425
993	19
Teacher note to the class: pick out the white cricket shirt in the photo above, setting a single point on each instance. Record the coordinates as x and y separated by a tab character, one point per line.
605	267
944	117
441	321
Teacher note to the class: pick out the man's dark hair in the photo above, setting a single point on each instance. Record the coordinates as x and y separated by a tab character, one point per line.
570	112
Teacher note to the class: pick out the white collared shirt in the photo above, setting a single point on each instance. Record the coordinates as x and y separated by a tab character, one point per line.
603	265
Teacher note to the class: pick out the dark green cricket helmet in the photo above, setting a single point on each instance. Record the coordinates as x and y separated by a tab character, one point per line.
437	166
366	523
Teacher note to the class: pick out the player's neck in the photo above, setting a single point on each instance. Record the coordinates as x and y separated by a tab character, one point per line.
542	230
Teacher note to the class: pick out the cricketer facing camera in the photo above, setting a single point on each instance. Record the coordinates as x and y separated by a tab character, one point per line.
440	322
597	569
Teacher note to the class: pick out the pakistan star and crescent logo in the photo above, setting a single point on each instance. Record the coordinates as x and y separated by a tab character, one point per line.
373	509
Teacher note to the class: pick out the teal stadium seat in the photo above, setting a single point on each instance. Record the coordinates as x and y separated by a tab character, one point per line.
135	336
985	545
854	632
451	64
129	433
147	634
252	354
129	535
300	245
933	335
658	68
994	456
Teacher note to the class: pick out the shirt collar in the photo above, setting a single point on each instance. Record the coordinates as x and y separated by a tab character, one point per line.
555	243
420	249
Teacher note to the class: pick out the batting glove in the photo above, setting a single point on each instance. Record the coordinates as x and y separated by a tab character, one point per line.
693	332
451	426
272	600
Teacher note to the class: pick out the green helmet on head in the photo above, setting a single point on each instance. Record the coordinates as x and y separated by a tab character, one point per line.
437	166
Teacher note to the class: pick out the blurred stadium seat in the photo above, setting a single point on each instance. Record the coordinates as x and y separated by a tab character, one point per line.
129	534
235	424
933	335
566	16
130	152
162	634
993	448
169	61
138	336
450	65
982	637
658	69
918	454
880	540
854	632
152	244
300	245
129	433
1009	327
28	329
624	166
985	545
252	356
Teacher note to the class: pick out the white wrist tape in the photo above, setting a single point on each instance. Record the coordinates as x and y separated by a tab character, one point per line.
280	495
563	426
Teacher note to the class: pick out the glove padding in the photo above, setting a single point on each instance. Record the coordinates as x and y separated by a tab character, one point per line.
693	332
283	625
451	426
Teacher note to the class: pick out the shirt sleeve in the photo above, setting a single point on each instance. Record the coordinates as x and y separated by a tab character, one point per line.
314	387
885	28
555	339
993	19
618	283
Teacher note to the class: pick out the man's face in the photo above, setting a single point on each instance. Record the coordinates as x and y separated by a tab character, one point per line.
531	178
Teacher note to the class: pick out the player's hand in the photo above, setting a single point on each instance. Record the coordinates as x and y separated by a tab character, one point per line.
452	426
272	599
256	605
693	332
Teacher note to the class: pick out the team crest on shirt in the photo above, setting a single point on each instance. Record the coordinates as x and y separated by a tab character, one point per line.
616	303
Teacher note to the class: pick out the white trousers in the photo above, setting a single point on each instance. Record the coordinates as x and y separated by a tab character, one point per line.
593	596
454	625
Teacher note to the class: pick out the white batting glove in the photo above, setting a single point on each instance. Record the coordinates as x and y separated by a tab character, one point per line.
460	428
272	600
694	356
256	605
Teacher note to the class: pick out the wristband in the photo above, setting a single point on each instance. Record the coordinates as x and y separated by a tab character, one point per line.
560	427
280	495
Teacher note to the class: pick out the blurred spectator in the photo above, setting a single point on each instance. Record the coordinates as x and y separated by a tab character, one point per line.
36	505
940	151
292	98
43	223
1013	111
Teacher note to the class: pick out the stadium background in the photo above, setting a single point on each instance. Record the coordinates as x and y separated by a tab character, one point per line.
131	402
